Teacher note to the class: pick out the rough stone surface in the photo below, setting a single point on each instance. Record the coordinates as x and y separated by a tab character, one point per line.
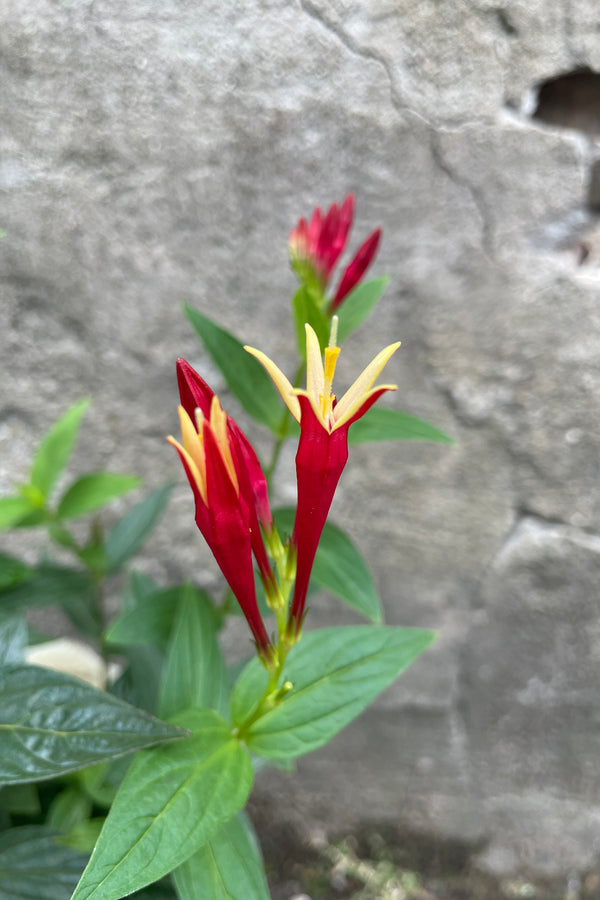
155	153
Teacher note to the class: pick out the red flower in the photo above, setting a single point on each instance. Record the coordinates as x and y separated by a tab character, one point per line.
323	447
316	246
230	491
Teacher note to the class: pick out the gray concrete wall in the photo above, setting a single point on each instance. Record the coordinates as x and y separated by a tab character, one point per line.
151	153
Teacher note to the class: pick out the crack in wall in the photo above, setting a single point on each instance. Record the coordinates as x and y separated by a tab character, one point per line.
363	52
487	241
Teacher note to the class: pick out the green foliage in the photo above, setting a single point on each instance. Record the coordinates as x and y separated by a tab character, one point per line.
195	674
13	510
381	424
54	451
335	673
306	310
358	305
228	867
13	638
51	723
171	802
92	491
129	534
34	865
245	376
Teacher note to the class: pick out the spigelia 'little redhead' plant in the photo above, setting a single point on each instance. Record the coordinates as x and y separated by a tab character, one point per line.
175	815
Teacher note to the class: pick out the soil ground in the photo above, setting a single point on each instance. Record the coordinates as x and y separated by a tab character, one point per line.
383	863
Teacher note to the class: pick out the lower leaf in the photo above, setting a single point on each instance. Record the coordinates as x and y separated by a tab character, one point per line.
171	802
228	867
34	865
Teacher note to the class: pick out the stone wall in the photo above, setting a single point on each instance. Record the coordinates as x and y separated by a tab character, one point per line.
151	153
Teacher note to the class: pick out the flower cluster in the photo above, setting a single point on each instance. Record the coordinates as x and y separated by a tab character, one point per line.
230	488
231	495
315	247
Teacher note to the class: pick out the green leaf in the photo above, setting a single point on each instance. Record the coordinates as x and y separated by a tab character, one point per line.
93	491
54	451
171	802
139	684
149	622
68	809
46	585
380	424
140	588
84	836
339	568
228	867
51	723
13	510
194	675
13	638
358	305
129	534
245	376
335	673
12	570
306	311
34	865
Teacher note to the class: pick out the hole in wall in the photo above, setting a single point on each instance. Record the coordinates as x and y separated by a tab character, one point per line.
571	100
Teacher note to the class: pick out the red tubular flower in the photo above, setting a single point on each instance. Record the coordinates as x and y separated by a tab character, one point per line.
230	491
323	447
316	246
356	269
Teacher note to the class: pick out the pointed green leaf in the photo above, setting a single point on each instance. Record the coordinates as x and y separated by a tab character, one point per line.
13	510
195	674
339	568
54	451
129	534
245	376
35	866
171	802
93	491
51	723
150	622
358	305
13	638
381	424
335	673
228	867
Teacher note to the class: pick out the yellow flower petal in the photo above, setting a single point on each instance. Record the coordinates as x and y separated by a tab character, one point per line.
315	374
360	390
283	385
198	478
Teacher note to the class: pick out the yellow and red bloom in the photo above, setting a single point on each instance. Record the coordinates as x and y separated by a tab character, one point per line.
323	447
231	495
315	247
